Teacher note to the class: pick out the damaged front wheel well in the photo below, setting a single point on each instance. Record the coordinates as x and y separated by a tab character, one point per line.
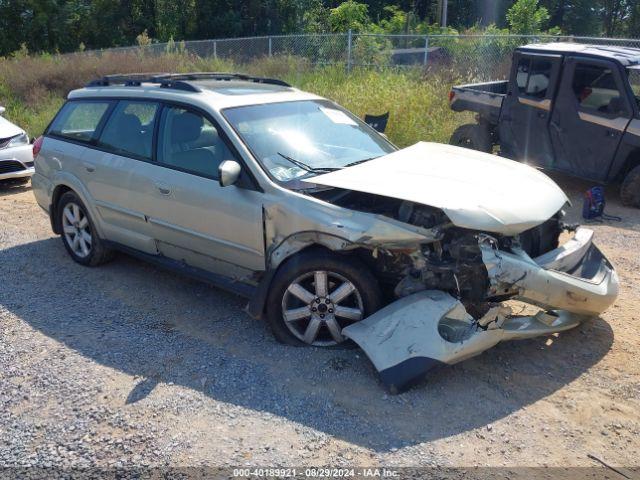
258	303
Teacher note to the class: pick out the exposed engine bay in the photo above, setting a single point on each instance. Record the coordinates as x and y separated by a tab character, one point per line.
453	263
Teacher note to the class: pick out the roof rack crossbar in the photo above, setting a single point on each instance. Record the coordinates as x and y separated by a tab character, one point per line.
178	81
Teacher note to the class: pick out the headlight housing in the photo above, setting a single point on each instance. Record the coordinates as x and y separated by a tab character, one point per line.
18	140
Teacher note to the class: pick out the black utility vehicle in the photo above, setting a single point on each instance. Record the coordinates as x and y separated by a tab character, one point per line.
567	107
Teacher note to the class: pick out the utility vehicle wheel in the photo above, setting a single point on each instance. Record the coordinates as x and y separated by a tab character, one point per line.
630	188
473	136
316	294
78	233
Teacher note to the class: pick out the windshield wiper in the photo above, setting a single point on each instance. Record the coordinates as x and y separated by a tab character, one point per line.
306	167
358	162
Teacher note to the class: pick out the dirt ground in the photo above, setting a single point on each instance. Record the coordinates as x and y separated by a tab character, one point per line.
98	354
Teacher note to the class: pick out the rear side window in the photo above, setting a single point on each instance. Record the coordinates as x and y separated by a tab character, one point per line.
78	120
129	130
533	76
595	89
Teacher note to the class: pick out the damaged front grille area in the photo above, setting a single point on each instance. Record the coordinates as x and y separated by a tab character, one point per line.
454	263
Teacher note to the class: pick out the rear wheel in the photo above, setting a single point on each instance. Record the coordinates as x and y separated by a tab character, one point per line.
315	295
78	232
630	188
473	136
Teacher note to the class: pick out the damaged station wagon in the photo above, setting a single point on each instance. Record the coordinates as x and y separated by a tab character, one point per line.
331	231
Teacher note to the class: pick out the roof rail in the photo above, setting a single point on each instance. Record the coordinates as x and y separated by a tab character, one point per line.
178	81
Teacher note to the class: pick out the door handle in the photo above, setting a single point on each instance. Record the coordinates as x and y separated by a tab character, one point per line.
611	133
89	167
164	189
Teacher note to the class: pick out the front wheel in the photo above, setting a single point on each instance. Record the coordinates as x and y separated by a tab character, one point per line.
473	136
315	295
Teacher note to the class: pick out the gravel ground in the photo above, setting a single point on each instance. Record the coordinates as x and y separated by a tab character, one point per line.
128	365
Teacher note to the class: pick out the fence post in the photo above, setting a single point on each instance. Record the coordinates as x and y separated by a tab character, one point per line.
270	45
349	35
426	50
215	49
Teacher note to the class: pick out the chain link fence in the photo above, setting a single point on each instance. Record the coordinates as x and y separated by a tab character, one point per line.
475	57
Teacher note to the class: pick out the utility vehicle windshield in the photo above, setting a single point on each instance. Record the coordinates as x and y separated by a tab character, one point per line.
303	138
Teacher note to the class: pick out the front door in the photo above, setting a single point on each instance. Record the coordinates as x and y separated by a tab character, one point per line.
591	114
194	219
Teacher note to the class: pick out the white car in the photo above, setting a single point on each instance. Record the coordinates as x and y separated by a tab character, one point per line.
16	154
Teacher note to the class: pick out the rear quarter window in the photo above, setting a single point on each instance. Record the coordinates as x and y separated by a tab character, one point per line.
78	120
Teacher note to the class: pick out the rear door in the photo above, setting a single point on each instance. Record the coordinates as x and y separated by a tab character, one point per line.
592	112
113	170
526	110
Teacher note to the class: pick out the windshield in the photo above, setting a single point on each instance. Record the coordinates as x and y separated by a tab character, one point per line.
302	138
634	80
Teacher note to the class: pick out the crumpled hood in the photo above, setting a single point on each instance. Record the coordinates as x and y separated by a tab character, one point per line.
8	129
476	190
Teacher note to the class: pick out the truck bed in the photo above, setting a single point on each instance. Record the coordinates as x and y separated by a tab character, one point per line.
483	98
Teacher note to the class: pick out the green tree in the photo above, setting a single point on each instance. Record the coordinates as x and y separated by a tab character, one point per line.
615	15
316	18
397	21
633	27
526	17
349	15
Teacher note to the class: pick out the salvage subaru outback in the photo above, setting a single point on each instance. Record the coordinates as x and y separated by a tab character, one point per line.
331	231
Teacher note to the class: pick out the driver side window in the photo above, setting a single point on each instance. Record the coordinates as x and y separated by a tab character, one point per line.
188	141
595	89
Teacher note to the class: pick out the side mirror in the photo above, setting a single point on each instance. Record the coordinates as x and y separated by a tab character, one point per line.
229	172
2	110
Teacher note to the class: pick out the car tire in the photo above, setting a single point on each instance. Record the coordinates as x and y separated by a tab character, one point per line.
79	235
473	136
630	188
350	289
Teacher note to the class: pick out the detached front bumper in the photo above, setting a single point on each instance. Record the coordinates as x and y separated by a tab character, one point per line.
410	336
16	162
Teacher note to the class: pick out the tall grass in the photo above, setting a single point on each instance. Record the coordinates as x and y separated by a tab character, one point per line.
33	88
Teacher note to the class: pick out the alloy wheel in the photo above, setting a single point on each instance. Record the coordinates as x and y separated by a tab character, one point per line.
76	229
318	305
